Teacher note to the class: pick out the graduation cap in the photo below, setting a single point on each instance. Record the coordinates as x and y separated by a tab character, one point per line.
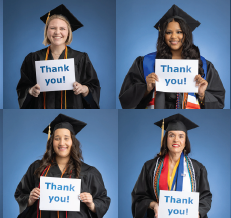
62	10
176	12
64	122
176	122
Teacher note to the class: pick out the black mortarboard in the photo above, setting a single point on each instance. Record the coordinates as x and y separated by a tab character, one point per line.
62	10
177	122
63	121
176	12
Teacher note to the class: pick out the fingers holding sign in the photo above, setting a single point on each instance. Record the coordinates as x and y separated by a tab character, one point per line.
151	80
154	206
202	85
34	195
86	198
35	90
80	89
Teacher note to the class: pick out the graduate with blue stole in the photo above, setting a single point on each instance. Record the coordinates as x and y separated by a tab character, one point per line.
171	170
175	41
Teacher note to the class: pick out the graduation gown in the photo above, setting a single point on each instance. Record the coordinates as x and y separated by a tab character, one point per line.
91	182
84	74
143	192
134	88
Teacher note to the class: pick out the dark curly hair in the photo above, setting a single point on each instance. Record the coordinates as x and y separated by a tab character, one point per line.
189	50
74	163
164	148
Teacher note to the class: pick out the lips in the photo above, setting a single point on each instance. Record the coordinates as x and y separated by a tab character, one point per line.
175	145
174	42
62	148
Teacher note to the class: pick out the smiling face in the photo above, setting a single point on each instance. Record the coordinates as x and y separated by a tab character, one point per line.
57	32
176	141
62	143
174	36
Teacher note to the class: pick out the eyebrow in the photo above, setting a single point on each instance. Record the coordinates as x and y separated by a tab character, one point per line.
64	135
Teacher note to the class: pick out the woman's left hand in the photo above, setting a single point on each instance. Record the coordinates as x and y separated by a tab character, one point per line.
202	85
80	89
86	198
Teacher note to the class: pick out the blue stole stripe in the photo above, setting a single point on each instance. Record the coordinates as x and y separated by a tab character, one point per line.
178	178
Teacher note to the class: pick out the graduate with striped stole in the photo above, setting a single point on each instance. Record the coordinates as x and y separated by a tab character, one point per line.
172	170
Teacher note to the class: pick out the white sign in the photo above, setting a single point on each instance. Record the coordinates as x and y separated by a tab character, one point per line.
59	194
55	75
176	75
175	204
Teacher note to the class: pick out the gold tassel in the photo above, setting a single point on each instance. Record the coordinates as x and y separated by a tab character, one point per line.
162	133
49	132
48	16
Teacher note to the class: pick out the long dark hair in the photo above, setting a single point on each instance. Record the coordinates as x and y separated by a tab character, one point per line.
74	163
189	51
164	148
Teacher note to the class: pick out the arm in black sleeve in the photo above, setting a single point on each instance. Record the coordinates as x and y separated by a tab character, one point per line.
134	87
215	92
205	194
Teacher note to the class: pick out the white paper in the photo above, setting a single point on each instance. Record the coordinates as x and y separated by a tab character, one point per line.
186	204
179	81
55	75
53	198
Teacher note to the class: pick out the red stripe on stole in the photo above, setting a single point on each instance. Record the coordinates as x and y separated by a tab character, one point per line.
151	102
192	106
163	182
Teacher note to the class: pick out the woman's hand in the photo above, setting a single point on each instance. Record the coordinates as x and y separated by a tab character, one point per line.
34	195
35	90
151	80
88	200
202	86
80	89
154	206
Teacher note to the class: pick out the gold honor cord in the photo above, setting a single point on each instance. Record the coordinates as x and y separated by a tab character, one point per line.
44	93
162	133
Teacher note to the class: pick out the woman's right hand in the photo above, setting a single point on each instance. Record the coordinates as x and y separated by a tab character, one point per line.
154	206
34	195
151	80
35	90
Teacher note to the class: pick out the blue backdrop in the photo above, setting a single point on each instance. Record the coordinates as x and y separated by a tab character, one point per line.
23	33
136	36
24	142
1	165
139	141
1	52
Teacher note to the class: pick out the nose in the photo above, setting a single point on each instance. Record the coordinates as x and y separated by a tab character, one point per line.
173	35
57	31
61	141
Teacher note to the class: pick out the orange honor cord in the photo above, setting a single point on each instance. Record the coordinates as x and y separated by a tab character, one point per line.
46	170
46	58
44	94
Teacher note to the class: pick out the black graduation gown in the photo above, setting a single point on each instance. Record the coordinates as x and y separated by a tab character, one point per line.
143	192
134	88
91	182
84	74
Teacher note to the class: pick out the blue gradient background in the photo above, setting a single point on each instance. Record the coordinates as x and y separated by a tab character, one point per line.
1	165
1	54
136	36
24	142
139	141
23	33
